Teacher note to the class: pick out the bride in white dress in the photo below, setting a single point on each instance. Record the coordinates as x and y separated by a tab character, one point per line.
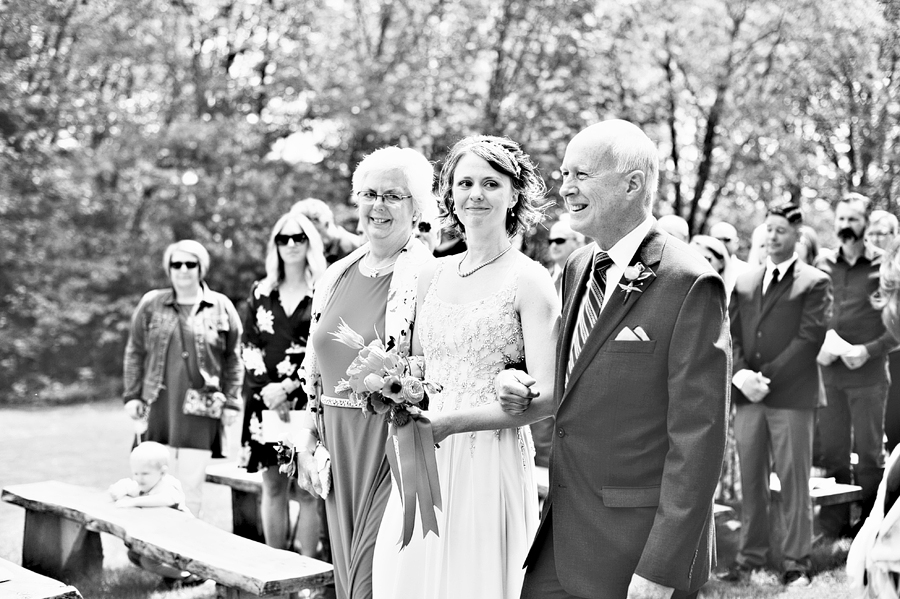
478	312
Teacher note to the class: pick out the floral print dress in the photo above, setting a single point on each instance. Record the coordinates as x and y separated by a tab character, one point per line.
273	347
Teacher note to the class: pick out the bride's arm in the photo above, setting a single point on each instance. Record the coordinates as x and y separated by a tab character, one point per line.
538	306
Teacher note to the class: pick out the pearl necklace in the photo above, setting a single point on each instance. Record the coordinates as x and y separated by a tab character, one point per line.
480	266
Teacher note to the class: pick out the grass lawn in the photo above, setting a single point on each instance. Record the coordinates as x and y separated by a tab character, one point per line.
89	445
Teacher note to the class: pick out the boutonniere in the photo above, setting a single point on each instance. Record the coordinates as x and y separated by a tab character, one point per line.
634	277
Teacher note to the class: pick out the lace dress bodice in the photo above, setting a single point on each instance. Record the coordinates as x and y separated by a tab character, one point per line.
466	345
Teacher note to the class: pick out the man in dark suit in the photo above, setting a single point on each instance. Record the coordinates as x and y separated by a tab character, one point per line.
642	390
779	315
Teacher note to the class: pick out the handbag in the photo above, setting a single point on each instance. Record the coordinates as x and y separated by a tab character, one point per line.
323	465
321	454
206	402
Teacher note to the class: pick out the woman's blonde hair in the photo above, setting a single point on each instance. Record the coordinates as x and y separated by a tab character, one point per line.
191	247
315	253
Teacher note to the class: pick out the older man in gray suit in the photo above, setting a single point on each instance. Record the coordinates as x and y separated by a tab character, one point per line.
642	390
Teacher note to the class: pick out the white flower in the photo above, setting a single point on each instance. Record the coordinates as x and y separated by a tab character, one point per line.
286	368
295	348
265	320
253	360
261	290
348	336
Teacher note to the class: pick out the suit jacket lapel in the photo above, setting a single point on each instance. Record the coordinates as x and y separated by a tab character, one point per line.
616	307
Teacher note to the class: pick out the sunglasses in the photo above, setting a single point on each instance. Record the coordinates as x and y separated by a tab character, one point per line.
297	238
557	241
177	265
716	254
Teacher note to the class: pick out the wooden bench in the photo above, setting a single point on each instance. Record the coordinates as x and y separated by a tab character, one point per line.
63	522
246	497
822	491
17	582
246	491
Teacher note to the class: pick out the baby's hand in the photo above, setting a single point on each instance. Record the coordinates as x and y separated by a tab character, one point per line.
123	488
125	502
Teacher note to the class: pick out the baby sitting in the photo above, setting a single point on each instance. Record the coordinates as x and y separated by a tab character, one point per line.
151	486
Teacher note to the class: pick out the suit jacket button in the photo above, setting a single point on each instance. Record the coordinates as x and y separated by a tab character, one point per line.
562	433
759	334
758	355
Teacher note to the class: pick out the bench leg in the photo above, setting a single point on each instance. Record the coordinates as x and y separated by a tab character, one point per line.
245	515
223	592
60	548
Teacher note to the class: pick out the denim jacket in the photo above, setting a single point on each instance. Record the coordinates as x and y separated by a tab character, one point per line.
217	336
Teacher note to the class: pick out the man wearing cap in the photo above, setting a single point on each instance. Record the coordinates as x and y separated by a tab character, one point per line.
560	245
854	366
778	318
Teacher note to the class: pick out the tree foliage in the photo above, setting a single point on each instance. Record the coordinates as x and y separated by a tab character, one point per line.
128	124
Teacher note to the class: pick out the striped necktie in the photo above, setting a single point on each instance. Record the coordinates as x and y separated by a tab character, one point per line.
590	307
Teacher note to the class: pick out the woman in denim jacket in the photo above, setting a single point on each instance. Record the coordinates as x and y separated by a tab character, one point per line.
184	337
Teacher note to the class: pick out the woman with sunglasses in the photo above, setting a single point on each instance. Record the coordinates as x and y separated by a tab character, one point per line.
185	336
276	326
373	290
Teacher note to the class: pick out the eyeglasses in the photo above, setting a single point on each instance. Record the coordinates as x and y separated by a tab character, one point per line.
557	241
297	238
370	197
424	227
177	265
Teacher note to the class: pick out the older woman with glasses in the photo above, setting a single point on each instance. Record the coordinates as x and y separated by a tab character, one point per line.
276	328
184	337
374	291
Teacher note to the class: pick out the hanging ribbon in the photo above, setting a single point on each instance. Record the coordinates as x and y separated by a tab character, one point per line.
417	475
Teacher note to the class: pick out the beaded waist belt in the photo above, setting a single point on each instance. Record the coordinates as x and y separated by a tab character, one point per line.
342	402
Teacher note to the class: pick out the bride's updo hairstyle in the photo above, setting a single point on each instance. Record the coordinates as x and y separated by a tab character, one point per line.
505	156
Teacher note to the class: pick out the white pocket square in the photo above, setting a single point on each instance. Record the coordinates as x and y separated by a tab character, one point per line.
638	334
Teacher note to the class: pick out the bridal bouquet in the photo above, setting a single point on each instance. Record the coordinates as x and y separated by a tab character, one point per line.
381	377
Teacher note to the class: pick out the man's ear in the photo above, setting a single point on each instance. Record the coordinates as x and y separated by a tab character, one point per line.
637	180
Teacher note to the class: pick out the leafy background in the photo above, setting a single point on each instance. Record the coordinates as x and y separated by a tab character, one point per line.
128	124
